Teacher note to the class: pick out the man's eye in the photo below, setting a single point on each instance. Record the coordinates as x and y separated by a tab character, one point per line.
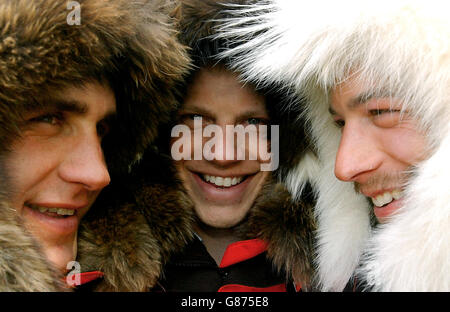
195	116
52	119
193	120
256	121
378	112
340	123
103	128
385	118
189	118
192	116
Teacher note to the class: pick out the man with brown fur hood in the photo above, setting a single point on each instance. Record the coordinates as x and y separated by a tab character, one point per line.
149	220
79	103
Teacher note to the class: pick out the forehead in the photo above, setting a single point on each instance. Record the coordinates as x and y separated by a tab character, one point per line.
345	92
91	97
218	89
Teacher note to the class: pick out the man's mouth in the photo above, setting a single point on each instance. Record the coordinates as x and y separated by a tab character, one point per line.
53	211
223	181
386	198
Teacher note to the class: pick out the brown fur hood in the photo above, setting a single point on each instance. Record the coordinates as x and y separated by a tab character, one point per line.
131	238
22	265
131	42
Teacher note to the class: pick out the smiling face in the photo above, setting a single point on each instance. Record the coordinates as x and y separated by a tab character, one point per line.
379	145
222	190
57	167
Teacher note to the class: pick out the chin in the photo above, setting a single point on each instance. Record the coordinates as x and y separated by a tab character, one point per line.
222	222
60	253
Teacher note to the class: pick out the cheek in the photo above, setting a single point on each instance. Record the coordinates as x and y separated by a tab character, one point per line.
406	145
29	166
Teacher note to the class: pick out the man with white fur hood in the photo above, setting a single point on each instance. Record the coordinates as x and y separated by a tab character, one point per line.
376	80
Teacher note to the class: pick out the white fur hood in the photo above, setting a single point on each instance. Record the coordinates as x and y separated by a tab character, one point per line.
312	45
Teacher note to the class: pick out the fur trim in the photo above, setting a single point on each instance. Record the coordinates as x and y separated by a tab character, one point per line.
288	226
403	44
135	226
198	22
121	40
132	239
132	44
22	266
116	239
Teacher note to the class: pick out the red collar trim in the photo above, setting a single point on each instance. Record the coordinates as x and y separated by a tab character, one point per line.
243	288
86	277
241	251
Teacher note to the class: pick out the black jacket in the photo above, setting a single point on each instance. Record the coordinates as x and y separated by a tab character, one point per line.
194	269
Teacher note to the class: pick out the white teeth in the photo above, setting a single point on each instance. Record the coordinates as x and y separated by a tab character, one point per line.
59	211
221	181
386	198
65	212
397	194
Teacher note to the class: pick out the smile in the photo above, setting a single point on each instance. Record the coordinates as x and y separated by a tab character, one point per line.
386	198
53	211
220	189
223	181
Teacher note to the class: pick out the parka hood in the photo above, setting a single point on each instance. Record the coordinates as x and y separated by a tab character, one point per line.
402	48
152	217
46	47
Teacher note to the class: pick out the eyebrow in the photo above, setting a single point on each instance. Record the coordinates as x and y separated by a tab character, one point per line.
193	109
71	106
361	99
202	111
76	107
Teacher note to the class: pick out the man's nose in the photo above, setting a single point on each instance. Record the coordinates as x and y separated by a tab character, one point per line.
226	151
84	164
358	153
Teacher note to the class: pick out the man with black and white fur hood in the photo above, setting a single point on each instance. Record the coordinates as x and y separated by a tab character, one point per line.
376	79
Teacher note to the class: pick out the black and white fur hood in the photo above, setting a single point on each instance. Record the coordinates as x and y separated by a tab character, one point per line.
401	47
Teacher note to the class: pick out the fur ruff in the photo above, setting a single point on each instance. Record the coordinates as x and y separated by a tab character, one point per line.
133	41
402	47
131	238
123	40
22	265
